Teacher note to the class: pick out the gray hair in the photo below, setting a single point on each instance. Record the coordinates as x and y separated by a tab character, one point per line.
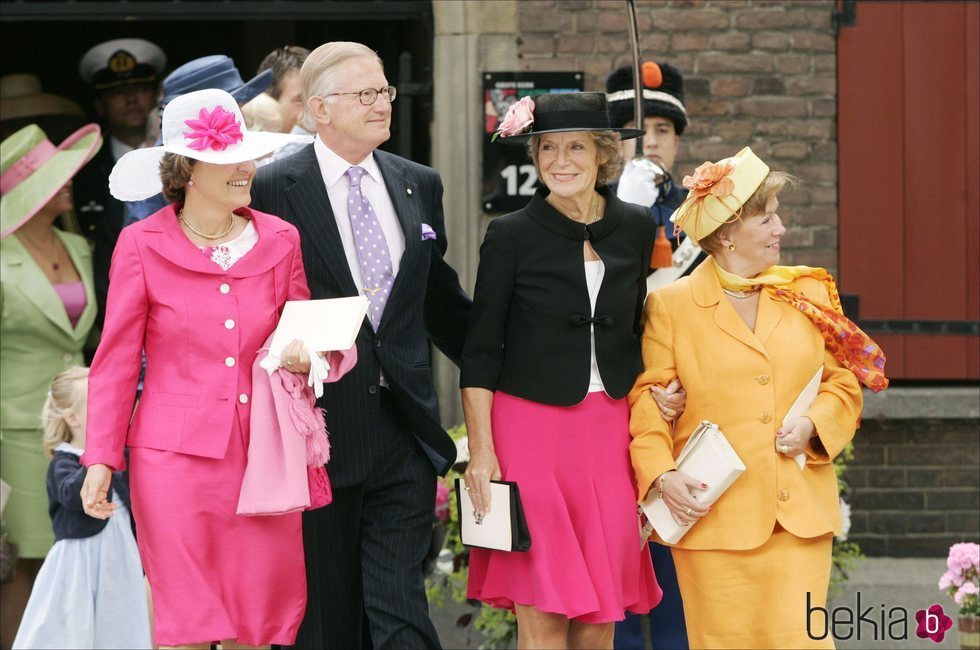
316	75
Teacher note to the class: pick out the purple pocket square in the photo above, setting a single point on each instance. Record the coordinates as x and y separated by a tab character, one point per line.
428	232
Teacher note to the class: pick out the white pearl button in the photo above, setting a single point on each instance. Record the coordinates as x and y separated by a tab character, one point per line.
224	288
229	324
230	361
243	398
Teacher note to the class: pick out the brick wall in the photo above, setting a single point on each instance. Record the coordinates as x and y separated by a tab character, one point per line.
914	486
757	73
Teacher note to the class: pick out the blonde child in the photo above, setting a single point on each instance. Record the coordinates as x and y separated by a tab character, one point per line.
89	592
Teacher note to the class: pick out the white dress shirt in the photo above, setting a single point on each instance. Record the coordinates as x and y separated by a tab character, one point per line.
119	148
334	170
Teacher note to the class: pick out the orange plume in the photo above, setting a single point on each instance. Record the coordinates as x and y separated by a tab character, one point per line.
652	75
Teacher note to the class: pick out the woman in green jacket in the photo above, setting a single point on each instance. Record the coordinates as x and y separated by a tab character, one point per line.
47	308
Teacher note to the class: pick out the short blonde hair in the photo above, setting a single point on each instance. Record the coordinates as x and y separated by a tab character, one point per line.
175	172
66	393
771	186
316	77
607	148
261	113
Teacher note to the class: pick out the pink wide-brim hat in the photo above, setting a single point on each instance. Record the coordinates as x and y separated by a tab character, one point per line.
32	170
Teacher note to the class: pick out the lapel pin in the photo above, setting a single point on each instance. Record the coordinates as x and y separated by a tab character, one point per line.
409	190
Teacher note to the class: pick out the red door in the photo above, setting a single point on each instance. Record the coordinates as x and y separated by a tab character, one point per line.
908	119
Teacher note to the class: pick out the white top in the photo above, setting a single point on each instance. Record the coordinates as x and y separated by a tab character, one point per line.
226	254
333	168
64	446
594	272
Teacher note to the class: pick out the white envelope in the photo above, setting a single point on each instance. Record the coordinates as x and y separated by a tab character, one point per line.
323	325
709	458
800	406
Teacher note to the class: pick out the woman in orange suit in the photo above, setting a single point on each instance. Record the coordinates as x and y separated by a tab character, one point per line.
744	336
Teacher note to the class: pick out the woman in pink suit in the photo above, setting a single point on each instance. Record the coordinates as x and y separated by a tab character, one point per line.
198	286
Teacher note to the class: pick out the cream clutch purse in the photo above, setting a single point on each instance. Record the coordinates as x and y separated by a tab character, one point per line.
709	458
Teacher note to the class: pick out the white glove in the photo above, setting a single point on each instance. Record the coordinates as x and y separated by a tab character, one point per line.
319	370
637	185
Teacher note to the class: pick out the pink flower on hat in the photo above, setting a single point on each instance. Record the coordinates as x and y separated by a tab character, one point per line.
711	178
213	130
519	117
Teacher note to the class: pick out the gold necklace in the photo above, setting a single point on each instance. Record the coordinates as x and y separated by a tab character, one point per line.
741	295
217	235
595	210
53	258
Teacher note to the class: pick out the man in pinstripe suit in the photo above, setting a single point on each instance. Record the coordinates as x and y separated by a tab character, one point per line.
364	551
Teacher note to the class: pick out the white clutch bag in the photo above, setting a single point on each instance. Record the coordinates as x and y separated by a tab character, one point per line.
709	458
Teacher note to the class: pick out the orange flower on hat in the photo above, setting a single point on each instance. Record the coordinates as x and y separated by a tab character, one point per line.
711	178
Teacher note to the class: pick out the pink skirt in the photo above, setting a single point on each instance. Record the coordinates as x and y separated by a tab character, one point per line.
213	574
572	466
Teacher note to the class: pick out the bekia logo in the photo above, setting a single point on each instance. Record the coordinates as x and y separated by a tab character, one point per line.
933	623
879	623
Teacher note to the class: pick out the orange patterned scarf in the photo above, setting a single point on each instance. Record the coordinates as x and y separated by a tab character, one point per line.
854	349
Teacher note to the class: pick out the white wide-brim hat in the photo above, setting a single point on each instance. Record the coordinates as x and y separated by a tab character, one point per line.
206	125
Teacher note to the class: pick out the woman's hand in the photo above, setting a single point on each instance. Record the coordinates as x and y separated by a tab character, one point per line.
671	400
793	437
295	358
683	506
95	492
483	467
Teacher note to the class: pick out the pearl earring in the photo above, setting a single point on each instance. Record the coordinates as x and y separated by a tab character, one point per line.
731	247
190	182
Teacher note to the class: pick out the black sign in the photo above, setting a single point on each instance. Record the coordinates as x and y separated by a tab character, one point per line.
509	178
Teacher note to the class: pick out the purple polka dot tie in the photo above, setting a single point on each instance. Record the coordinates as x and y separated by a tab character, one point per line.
372	249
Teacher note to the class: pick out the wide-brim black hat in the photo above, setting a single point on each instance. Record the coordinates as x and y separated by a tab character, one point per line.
567	112
663	94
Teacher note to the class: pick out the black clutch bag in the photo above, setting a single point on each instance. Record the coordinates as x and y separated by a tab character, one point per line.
504	528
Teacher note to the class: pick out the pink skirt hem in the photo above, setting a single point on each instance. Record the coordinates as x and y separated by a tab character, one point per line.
573	469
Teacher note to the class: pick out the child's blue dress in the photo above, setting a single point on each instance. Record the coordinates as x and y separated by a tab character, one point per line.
90	591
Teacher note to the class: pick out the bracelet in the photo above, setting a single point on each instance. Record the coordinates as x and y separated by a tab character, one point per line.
660	483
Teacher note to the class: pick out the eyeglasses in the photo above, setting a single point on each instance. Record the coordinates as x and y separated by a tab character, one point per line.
368	96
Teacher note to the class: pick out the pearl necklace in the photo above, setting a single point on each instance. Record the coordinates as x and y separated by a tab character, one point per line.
741	295
217	235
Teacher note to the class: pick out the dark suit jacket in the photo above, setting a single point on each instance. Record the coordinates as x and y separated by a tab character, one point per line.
100	217
64	482
426	302
529	327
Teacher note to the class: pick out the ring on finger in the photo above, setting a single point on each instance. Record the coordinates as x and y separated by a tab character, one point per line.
689	512
670	412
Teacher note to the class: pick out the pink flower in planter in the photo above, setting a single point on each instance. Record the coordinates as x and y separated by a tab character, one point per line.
442	501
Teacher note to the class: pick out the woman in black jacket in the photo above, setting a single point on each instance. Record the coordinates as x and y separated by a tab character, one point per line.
552	350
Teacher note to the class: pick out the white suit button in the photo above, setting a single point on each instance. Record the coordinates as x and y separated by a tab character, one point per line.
224	288
243	398
229	324
230	361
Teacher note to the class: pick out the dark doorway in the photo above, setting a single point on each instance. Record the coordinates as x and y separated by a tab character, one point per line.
49	38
